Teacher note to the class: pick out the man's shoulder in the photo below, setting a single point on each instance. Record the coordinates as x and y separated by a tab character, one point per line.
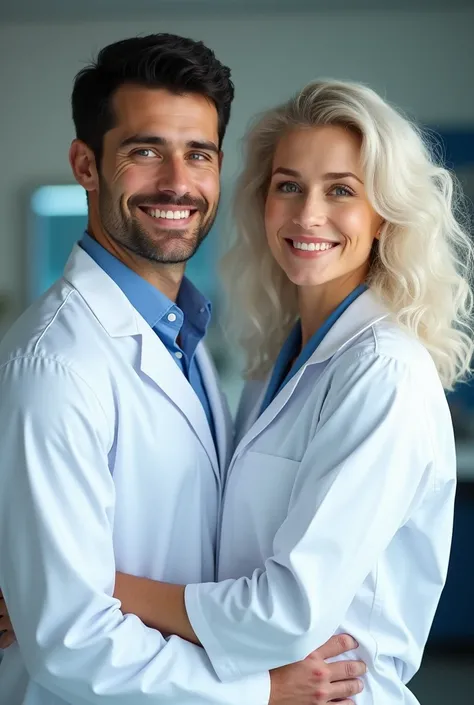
59	325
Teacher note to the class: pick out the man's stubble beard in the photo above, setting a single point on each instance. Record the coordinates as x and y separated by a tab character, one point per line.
130	233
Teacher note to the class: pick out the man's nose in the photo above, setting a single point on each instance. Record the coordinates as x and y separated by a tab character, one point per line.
173	178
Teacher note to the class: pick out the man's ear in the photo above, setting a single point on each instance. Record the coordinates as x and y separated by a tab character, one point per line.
83	165
221	158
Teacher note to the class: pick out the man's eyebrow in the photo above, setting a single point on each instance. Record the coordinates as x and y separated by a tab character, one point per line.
144	139
156	140
205	145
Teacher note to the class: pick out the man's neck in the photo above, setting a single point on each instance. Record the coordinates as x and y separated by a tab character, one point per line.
167	278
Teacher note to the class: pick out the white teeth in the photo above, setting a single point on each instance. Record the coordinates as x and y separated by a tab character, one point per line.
169	215
313	246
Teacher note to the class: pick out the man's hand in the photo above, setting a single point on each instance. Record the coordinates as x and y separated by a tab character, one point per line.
315	682
7	635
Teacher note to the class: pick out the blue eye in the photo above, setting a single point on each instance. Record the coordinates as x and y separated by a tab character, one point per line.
341	191
288	187
147	153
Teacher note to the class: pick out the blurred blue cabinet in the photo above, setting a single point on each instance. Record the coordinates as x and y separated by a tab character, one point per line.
453	627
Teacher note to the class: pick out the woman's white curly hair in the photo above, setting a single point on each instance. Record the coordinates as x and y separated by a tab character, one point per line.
424	259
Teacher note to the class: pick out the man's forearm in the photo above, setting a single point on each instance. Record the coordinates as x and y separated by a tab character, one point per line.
159	605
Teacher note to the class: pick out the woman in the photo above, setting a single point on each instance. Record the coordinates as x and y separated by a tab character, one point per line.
353	273
354	277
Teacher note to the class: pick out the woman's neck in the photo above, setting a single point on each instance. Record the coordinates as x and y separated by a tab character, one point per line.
316	303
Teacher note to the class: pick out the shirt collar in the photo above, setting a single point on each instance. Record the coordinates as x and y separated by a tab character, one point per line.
196	308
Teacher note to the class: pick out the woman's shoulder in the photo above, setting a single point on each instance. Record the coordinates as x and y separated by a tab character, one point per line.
386	353
385	339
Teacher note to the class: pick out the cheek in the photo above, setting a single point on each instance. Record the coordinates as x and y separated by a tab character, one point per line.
208	186
128	182
125	173
356	222
274	218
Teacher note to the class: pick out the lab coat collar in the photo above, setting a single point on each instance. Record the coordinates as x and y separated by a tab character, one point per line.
119	318
104	297
364	312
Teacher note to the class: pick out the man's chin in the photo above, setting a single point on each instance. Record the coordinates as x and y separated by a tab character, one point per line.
175	253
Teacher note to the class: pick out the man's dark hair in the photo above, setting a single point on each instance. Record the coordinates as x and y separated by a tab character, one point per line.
178	64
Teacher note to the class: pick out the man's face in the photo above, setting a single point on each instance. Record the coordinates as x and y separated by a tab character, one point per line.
159	176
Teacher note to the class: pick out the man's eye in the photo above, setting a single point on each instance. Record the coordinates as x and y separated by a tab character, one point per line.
197	156
147	153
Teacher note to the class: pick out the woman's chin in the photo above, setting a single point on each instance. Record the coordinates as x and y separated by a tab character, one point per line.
308	278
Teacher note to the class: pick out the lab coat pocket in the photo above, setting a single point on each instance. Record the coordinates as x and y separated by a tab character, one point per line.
262	484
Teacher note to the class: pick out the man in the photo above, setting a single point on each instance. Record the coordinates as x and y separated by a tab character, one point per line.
115	436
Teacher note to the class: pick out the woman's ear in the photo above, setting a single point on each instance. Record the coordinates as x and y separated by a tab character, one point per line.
379	230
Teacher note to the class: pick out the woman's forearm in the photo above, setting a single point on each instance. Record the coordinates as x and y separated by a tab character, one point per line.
159	605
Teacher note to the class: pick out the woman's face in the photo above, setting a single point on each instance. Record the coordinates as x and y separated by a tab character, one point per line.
319	223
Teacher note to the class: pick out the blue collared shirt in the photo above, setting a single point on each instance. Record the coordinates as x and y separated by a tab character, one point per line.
188	318
293	343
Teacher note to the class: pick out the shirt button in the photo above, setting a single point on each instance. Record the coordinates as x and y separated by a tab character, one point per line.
202	310
179	355
171	317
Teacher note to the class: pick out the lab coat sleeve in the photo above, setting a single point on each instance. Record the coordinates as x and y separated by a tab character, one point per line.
367	464
57	565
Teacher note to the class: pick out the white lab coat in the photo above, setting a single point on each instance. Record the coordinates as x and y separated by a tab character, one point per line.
107	462
337	511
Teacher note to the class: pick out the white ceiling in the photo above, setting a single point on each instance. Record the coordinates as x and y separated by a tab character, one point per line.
70	10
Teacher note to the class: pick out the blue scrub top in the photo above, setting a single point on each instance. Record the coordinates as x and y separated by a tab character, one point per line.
293	343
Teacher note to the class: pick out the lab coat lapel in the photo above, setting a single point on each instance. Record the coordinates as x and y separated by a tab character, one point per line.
120	319
219	408
158	365
271	411
364	312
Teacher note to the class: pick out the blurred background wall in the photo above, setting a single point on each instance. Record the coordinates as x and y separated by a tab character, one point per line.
419	54
420	60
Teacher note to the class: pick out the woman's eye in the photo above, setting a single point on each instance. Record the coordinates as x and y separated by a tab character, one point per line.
288	187
341	191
